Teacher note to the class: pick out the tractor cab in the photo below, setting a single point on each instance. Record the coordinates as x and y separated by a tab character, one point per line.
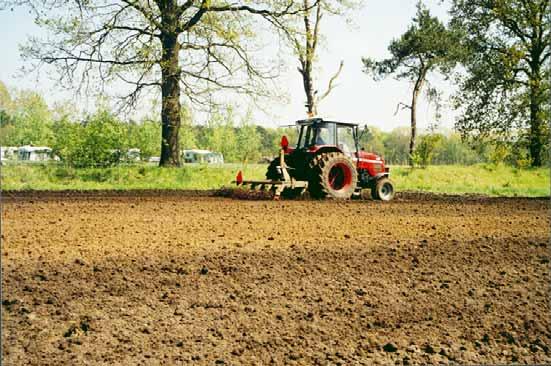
317	134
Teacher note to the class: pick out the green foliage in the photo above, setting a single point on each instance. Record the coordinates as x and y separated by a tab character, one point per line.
103	140
499	154
504	88
426	149
427	44
396	145
454	151
188	138
100	141
25	120
145	136
220	135
248	141
372	140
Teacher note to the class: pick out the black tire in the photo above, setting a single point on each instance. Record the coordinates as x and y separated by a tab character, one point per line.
332	175
383	190
273	173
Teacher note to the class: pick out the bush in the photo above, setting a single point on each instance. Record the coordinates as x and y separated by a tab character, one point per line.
101	141
424	152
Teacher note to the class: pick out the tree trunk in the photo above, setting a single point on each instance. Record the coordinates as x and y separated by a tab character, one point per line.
309	89
308	59
416	90
537	98
170	110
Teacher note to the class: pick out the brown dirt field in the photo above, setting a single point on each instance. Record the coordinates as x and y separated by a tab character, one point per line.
177	280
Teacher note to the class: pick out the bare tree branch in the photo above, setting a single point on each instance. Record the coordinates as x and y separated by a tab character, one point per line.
331	82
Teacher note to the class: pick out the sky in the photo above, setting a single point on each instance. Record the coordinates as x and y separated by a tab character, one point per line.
357	98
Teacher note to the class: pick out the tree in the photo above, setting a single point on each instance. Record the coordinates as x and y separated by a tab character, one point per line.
396	146
144	136
372	140
101	140
454	150
191	47
248	140
188	135
220	135
505	90
428	146
6	111
25	119
428	45
305	43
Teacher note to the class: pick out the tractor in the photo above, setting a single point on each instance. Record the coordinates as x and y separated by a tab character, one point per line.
327	161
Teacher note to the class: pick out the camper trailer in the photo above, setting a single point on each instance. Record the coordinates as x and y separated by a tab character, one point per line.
8	153
202	156
34	153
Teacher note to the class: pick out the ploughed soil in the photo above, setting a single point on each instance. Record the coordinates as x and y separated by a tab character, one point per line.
174	279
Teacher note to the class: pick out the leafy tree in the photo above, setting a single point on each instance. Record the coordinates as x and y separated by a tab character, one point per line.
25	120
268	143
188	138
426	149
248	141
220	134
396	146
6	104
6	118
453	150
191	48
428	45
505	89
144	136
372	140
101	140
68	139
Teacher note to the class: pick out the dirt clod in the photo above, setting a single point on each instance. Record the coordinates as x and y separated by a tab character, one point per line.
389	347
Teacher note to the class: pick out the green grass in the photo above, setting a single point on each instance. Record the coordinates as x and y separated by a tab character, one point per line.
51	177
486	179
483	179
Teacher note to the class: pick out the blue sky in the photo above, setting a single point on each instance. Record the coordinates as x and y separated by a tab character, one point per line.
357	98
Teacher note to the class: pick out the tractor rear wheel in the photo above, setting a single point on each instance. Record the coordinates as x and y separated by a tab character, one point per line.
383	190
332	175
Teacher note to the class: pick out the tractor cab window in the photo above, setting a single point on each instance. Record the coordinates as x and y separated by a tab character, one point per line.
317	134
346	142
325	134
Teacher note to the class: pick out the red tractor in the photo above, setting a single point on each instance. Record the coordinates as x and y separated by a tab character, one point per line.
328	161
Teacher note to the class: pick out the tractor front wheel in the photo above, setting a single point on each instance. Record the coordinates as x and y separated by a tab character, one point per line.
332	175
383	190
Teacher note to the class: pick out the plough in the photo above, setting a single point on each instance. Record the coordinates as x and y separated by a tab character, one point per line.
274	187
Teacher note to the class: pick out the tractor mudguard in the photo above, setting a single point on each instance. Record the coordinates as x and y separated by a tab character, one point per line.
381	175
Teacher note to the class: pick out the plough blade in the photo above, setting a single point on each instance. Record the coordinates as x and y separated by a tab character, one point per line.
274	187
